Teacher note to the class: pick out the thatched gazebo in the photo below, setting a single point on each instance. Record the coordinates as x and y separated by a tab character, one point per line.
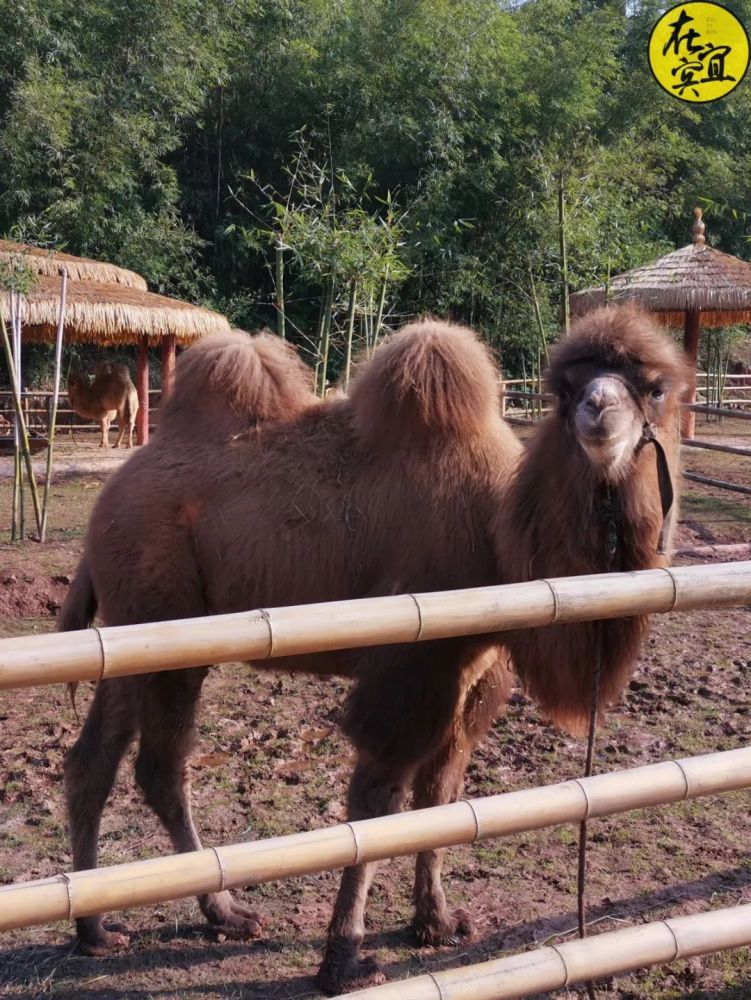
116	314
692	287
50	262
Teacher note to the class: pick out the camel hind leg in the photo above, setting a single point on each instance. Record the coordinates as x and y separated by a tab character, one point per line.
375	790
122	425
167	722
90	768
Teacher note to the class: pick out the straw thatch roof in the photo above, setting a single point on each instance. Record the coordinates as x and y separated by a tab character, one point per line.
79	268
110	314
696	277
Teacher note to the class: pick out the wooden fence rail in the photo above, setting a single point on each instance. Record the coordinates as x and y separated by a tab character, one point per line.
119	651
140	883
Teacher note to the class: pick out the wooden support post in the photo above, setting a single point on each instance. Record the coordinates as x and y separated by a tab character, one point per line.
142	387
168	364
691	347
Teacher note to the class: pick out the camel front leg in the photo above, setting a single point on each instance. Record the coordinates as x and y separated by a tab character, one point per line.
104	424
440	780
375	790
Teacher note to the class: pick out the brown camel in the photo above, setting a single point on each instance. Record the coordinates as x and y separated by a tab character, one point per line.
412	482
111	395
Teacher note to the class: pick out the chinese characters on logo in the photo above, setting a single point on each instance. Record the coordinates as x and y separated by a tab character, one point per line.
699	51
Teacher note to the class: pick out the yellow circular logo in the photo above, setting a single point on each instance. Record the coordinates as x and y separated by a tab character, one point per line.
698	51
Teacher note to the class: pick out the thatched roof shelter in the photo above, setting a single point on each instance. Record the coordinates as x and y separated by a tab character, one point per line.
113	314
110	314
692	287
696	277
49	262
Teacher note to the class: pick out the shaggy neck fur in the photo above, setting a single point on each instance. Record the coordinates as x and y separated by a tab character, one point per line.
559	520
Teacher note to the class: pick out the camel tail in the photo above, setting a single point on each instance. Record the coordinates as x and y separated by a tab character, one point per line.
78	611
431	378
229	382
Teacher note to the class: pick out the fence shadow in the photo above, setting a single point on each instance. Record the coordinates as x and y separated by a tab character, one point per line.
34	970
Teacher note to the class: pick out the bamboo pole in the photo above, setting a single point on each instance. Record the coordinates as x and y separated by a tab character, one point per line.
119	651
733	549
563	965
351	306
717	411
279	262
24	440
55	397
141	883
711	446
721	484
18	528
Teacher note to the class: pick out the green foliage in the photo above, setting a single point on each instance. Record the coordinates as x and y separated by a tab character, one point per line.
181	137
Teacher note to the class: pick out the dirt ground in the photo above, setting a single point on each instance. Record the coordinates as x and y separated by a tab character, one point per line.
269	760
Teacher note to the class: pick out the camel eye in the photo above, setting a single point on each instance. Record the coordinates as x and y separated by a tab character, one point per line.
658	393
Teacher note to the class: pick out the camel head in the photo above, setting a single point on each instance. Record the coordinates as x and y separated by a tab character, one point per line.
77	381
618	379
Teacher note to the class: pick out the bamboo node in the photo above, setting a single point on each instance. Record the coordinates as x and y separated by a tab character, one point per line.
353	830
681	768
677	954
102	653
69	889
587	800
675	586
476	818
437	986
222	871
272	639
566	981
556	608
419	618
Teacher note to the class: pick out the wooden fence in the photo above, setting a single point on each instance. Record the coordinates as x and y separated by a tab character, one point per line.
37	409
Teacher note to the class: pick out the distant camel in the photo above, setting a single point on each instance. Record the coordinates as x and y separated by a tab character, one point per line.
111	395
410	483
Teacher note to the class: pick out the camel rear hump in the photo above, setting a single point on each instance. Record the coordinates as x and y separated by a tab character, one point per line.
227	383
432	378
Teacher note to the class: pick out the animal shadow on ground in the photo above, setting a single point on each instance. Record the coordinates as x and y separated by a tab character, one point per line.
35	968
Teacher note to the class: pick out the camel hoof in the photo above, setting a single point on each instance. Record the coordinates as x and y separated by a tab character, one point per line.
337	976
232	920
449	930
103	940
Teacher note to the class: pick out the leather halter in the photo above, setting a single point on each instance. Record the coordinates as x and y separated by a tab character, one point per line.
664	482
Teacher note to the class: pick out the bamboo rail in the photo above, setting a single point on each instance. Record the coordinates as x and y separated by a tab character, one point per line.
711	446
718	411
140	883
721	484
98	653
562	965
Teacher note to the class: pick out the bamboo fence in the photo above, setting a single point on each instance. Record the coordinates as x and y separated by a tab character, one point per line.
563	965
98	653
720	484
156	880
